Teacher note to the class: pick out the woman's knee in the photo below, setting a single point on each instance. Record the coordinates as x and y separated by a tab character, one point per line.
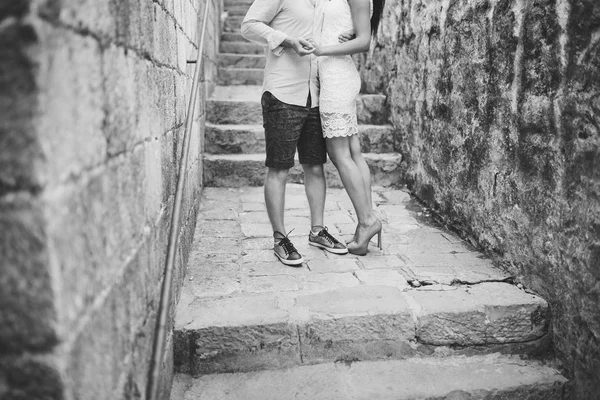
338	151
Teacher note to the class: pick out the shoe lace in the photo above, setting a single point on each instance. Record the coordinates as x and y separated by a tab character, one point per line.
325	233
287	245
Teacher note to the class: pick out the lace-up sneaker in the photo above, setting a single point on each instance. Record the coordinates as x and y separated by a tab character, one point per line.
286	252
325	241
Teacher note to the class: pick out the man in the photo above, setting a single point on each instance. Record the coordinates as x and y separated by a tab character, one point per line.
291	116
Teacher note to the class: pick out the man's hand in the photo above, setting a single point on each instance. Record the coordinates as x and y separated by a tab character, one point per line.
317	49
346	36
301	46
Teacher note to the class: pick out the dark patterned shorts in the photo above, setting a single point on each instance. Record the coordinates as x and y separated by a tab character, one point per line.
288	127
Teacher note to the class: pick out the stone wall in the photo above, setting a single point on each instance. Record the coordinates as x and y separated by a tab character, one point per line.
93	98
497	108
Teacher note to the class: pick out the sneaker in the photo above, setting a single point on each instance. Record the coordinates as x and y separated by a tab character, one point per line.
325	241
286	252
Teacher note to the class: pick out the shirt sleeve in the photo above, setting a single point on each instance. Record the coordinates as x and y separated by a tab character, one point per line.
255	26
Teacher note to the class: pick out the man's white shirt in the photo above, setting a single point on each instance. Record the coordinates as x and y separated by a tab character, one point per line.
289	77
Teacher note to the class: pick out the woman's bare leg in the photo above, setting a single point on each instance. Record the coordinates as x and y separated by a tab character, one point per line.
362	165
352	177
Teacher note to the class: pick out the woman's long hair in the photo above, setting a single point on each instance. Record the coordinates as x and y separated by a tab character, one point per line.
377	13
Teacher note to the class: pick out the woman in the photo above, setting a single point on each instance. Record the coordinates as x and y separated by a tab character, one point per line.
340	85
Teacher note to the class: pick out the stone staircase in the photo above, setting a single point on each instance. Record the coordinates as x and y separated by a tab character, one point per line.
427	317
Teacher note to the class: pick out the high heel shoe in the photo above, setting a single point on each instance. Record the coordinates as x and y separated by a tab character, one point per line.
363	236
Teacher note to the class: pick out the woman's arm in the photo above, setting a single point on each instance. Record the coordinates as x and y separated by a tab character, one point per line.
361	11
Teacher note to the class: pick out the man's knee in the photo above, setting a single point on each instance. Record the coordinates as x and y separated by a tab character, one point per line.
277	174
313	170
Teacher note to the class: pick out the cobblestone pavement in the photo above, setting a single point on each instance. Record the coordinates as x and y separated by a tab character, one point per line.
234	247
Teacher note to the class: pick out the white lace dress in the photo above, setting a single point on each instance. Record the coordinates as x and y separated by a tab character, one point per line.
338	76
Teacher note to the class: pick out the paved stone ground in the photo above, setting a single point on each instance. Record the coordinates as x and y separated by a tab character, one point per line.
415	249
242	310
234	241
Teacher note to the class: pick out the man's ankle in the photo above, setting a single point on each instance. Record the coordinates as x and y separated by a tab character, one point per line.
315	229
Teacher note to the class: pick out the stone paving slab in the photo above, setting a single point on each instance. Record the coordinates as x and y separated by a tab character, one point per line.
241	170
242	310
491	377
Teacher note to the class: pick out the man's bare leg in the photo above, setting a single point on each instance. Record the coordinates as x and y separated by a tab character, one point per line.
315	187
275	197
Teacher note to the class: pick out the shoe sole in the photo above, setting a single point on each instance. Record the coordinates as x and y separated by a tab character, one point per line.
290	263
329	249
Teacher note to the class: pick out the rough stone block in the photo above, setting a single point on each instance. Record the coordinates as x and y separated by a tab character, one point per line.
241	48
241	61
240	76
360	323
140	100
234	139
254	335
31	377
99	220
232	37
487	313
21	160
372	109
97	17
28	321
233	24
248	170
70	126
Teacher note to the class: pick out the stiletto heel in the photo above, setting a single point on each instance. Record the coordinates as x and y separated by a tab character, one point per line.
363	237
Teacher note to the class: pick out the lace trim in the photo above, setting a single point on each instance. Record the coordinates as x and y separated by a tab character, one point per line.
339	124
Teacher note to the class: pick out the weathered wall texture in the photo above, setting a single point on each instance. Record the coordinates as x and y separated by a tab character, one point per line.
93	97
497	106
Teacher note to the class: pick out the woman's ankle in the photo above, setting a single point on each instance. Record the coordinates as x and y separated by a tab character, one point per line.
369	220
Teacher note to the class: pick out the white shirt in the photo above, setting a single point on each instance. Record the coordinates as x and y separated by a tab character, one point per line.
287	76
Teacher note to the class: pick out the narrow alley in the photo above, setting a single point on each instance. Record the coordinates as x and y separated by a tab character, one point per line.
428	309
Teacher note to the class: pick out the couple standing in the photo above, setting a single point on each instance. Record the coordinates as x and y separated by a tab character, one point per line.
309	103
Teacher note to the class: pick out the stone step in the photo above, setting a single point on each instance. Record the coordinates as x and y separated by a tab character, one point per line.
240	76
258	331
242	60
241	48
240	170
237	9
241	105
237	3
237	139
483	377
233	23
232	37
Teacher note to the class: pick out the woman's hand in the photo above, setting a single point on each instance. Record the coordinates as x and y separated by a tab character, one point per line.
317	49
301	46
